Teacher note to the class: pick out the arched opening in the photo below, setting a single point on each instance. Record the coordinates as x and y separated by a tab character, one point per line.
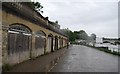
59	42
40	42
50	43
56	43
19	43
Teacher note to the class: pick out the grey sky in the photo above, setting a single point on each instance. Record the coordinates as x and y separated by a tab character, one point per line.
93	16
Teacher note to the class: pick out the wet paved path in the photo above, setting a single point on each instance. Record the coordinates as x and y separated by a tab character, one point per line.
40	64
80	58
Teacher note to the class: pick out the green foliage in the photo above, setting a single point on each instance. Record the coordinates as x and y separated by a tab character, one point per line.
93	36
118	38
71	34
6	67
81	35
76	34
37	6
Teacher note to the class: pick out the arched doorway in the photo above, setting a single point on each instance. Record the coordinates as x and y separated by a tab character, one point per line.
50	43
56	43
40	43
62	42
59	42
19	43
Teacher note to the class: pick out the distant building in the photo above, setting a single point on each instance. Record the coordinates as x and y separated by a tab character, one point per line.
111	40
84	42
99	40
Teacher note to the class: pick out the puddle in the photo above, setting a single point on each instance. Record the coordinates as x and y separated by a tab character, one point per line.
74	54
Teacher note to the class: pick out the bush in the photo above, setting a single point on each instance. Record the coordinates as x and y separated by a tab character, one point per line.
6	67
116	53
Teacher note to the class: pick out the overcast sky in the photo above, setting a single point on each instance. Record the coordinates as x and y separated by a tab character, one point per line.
93	16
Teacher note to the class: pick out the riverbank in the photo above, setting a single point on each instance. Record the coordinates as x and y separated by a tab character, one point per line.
105	49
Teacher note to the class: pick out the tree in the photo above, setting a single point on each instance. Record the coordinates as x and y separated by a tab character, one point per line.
92	39
93	36
37	6
119	39
82	35
71	34
76	34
